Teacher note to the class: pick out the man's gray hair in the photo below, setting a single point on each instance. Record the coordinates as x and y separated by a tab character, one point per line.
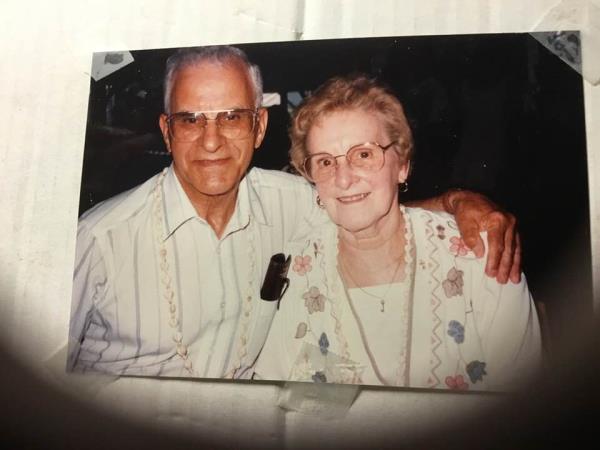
193	56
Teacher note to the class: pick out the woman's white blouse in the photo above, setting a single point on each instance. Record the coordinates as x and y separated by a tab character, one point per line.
447	326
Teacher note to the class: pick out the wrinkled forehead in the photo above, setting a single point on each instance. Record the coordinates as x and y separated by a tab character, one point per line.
346	127
211	85
375	117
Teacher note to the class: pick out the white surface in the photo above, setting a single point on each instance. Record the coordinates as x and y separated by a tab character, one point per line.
46	58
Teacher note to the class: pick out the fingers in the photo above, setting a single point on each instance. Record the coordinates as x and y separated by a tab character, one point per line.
495	238
475	243
504	245
507	259
515	271
469	232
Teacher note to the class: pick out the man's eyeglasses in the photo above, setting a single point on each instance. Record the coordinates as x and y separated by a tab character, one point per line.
231	123
369	156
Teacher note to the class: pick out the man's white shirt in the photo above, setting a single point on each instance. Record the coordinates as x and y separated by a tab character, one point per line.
120	318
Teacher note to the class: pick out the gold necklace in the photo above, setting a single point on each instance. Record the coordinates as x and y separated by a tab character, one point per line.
387	290
403	258
404	360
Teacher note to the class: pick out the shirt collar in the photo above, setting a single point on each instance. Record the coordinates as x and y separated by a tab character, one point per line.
178	208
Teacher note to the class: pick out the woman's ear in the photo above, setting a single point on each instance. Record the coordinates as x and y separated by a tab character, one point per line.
403	172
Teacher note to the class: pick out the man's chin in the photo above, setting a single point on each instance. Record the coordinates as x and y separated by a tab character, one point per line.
217	188
210	183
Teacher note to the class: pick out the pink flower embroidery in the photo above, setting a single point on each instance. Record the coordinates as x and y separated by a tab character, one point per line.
302	264
314	300
458	246
457	382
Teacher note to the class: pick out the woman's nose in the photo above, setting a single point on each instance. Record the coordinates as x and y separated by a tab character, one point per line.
344	174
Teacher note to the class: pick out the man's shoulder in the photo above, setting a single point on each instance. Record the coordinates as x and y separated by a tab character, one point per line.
263	179
287	201
118	210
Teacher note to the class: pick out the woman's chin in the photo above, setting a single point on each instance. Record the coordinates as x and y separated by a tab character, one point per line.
353	226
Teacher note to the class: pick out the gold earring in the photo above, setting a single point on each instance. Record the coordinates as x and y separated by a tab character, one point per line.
320	203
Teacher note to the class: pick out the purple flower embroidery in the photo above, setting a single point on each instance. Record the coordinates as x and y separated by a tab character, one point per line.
476	371
440	232
314	300
323	343
319	377
453	284
457	331
302	264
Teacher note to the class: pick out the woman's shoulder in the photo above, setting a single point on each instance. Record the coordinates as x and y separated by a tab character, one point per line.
322	233
439	231
427	217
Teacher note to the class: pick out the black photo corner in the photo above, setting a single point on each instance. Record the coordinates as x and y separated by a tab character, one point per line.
499	114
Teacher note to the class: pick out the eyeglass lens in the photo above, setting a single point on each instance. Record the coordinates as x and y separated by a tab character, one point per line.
321	166
235	124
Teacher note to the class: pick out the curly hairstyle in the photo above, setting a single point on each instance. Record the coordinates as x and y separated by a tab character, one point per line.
343	93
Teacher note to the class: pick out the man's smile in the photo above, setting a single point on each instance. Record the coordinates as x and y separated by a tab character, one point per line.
208	163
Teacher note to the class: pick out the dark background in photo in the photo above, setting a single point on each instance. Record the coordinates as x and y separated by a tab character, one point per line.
496	113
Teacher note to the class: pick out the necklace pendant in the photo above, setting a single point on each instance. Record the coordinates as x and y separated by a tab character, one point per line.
382	306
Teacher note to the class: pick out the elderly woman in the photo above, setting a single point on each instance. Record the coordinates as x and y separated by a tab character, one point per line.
385	294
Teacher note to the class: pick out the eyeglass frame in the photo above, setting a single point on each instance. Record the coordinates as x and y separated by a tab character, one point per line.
384	148
216	113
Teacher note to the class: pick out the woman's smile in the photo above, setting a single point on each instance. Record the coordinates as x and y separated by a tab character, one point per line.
353	198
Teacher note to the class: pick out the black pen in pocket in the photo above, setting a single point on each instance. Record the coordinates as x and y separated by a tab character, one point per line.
276	281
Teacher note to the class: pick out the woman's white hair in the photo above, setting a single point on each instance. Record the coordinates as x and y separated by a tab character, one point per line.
217	53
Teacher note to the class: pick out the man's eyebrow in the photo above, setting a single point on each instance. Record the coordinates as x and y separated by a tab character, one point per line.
214	110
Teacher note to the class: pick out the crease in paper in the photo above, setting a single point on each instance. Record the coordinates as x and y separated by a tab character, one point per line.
287	16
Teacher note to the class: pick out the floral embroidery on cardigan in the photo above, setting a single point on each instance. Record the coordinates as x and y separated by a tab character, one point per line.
319	377
476	371
440	232
437	263
457	331
436	340
457	382
453	284
458	246
314	300
323	343
302	264
301	330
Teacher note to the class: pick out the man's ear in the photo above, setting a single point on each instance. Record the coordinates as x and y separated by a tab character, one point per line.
164	128
261	126
403	172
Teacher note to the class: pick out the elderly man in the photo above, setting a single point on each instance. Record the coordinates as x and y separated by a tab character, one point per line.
167	275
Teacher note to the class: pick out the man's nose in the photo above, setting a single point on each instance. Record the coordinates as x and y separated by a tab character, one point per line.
211	136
